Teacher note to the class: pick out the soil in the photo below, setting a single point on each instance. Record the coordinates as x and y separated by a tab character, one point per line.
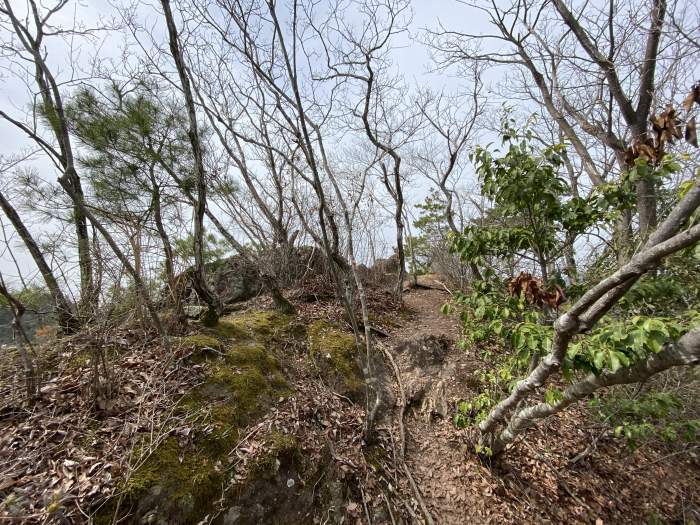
306	459
535	482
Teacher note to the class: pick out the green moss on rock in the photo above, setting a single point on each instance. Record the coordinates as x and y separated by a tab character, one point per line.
238	387
262	325
335	353
165	489
201	341
202	346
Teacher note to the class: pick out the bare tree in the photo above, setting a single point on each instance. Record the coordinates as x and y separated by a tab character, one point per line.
63	157
31	50
597	77
450	129
198	277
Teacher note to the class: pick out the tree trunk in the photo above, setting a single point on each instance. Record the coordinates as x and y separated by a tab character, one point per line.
21	339
268	281
138	282
570	260
88	293
684	353
64	313
646	206
400	252
198	278
168	257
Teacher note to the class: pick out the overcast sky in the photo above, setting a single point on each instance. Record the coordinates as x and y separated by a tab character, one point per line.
411	58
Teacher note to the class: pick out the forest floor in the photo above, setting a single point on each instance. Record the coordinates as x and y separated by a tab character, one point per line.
535	482
63	457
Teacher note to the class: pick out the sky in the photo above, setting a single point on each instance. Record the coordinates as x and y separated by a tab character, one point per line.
411	57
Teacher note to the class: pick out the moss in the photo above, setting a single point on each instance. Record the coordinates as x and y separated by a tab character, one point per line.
252	354
262	325
237	388
185	489
201	342
79	359
335	353
202	346
227	329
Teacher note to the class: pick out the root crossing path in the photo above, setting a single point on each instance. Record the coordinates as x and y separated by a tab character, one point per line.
536	481
434	449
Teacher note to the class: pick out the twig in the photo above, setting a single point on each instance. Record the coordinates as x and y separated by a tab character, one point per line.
247	437
561	480
364	504
665	458
402	438
592	447
419	497
388	507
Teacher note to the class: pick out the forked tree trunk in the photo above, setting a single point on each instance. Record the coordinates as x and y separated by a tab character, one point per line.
685	352
55	116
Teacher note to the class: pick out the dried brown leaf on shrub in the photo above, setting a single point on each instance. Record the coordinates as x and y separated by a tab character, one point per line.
691	133
692	98
534	291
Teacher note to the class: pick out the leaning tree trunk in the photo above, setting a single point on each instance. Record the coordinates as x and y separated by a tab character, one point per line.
586	312
268	281
685	352
21	339
52	109
64	313
198	278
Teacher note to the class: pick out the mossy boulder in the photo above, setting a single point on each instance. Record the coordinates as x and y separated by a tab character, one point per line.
202	345
335	354
262	325
173	485
275	489
181	480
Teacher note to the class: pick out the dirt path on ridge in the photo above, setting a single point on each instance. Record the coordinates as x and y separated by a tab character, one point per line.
435	449
534	482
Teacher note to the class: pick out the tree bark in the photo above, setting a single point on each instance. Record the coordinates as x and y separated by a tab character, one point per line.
64	313
21	339
396	191
686	352
198	278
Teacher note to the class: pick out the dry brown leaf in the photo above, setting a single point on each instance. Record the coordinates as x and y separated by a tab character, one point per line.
691	132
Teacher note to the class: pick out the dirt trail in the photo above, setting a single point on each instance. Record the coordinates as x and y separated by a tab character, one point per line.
534	482
435	449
